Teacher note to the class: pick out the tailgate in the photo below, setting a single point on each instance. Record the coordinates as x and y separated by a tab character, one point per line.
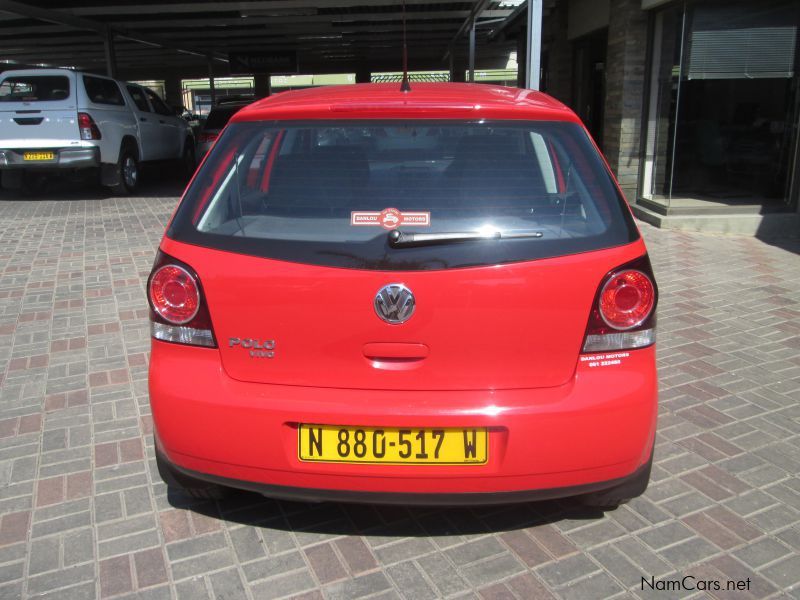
496	327
37	110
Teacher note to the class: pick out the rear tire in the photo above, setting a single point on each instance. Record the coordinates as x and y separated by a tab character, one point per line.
188	160
11	179
611	498
126	173
194	488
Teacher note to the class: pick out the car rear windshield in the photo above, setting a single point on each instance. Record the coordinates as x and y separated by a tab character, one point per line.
331	193
103	91
34	88
219	117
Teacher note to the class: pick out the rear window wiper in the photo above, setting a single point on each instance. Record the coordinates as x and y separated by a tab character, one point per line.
399	238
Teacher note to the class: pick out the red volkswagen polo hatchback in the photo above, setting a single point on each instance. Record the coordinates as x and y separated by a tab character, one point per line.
434	297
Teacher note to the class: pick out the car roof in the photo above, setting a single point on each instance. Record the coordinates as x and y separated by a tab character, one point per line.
55	71
425	100
42	71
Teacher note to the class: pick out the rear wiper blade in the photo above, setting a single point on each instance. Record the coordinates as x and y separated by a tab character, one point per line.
399	238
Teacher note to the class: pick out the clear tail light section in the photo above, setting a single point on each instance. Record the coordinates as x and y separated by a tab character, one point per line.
623	313
178	311
88	127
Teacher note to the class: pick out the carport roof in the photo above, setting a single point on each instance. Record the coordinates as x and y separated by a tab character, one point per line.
155	38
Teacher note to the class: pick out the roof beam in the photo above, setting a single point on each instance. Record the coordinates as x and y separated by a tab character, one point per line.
276	7
70	20
477	9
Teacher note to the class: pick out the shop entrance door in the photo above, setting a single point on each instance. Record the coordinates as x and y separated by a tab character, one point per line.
589	81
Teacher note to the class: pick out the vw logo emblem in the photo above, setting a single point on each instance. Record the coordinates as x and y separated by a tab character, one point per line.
394	303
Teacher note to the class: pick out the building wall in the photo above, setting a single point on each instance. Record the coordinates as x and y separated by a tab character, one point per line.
626	63
558	48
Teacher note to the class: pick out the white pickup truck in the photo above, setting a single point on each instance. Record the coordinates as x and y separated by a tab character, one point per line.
59	120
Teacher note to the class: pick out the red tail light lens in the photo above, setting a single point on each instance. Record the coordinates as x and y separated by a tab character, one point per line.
178	312
174	294
627	299
88	127
623	313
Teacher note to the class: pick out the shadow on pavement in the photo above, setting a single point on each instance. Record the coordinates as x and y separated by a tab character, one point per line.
330	518
157	181
788	243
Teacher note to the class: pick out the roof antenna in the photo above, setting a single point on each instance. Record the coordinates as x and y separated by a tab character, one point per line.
405	86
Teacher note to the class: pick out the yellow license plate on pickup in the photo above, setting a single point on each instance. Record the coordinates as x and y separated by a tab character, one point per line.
392	446
38	155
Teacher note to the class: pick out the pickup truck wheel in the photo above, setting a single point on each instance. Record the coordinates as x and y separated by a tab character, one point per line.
11	180
127	173
188	160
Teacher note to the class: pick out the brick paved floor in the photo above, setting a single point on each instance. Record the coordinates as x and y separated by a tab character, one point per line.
83	513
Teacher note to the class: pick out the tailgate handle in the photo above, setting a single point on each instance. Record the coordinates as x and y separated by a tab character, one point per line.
395	351
28	120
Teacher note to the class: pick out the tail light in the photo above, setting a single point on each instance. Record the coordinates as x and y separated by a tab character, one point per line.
208	136
623	313
88	127
178	311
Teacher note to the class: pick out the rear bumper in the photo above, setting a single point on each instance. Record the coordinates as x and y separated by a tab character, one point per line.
593	433
65	158
297	494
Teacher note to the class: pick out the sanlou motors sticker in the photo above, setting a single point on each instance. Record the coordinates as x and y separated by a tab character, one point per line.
390	218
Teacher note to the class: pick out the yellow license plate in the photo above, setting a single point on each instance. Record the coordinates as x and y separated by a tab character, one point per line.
38	155
393	446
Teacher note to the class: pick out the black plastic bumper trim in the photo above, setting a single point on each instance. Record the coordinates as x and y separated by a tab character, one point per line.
281	492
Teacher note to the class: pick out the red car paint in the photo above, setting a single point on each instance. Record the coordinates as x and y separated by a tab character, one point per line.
504	352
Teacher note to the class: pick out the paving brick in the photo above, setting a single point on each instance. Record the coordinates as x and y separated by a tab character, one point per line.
409	580
175	525
195	546
761	552
79	491
265	568
14	527
525	548
115	576
441	572
356	554
44	555
325	563
526	585
227	584
284	585
785	573
202	563
475	550
565	570
247	544
62	578
78	546
484	572
358	587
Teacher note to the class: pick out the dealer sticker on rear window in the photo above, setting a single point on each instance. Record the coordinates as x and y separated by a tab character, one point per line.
390	218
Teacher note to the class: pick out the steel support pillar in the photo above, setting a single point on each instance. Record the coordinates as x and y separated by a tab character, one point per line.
211	87
173	91
111	55
363	75
534	44
262	85
472	52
